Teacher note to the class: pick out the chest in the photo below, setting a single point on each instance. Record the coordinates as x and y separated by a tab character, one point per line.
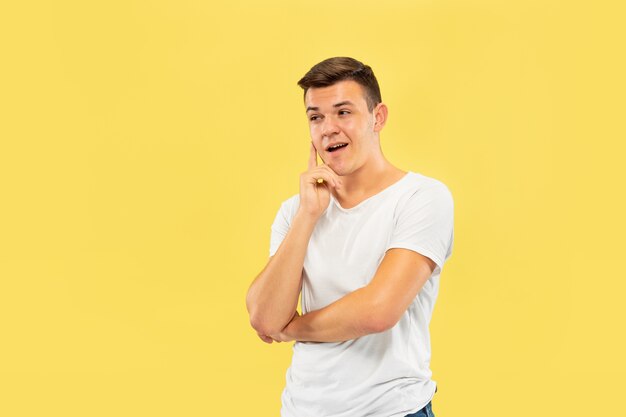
344	252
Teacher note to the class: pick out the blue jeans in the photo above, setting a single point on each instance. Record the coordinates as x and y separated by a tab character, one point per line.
426	411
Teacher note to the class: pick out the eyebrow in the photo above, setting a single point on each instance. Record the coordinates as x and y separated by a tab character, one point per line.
341	103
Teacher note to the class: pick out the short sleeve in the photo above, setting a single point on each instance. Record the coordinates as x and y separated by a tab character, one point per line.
281	225
425	223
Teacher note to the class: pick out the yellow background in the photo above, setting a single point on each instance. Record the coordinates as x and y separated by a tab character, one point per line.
147	145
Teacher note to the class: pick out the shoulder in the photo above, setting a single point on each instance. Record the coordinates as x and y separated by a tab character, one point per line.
289	207
292	202
422	187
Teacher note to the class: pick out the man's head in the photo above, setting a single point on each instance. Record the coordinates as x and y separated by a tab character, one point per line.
333	70
343	106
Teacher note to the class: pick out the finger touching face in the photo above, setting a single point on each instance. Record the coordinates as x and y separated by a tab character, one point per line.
312	157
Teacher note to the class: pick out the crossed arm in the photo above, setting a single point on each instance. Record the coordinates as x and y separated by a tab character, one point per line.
371	309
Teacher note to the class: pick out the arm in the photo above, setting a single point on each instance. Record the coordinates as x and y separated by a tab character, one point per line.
273	295
371	309
424	225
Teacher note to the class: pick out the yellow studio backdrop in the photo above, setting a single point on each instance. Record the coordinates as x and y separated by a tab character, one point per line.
147	145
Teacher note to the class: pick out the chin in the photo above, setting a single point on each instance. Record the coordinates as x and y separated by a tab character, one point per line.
335	168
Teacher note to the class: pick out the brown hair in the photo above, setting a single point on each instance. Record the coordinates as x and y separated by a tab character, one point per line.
339	68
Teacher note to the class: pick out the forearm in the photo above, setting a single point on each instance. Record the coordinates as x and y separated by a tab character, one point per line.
273	296
350	317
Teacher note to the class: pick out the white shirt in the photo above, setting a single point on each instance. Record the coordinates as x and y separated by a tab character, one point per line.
383	374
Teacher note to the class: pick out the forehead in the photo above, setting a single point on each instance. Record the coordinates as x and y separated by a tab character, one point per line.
346	90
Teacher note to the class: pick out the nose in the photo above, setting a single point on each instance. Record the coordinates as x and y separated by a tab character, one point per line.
329	127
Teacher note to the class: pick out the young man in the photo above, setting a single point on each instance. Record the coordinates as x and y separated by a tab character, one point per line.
365	243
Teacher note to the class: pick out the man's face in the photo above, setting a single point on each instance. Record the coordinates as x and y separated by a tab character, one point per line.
338	114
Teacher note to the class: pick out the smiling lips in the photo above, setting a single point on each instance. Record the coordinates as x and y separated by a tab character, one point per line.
338	149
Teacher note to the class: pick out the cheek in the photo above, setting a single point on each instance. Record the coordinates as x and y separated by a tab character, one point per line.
314	131
316	143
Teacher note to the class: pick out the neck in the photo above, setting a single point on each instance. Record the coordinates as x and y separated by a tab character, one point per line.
369	179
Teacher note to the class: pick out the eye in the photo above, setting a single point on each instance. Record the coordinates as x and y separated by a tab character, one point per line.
344	111
313	118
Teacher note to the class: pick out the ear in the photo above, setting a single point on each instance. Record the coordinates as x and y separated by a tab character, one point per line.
380	116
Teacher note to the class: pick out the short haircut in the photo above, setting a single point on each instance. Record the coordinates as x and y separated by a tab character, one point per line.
333	70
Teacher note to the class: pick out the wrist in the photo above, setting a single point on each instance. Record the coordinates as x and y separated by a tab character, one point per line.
291	330
305	218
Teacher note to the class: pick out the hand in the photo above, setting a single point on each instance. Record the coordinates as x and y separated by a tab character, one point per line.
265	338
286	335
283	336
314	197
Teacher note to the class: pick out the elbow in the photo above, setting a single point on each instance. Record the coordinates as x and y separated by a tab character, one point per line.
380	319
256	319
261	320
257	325
265	317
263	326
379	325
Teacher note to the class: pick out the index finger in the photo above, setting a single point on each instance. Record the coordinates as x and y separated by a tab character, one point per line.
312	157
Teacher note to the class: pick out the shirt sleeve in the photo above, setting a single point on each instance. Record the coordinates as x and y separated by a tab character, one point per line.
425	224
280	227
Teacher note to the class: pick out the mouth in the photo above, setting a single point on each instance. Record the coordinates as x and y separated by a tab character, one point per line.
337	148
